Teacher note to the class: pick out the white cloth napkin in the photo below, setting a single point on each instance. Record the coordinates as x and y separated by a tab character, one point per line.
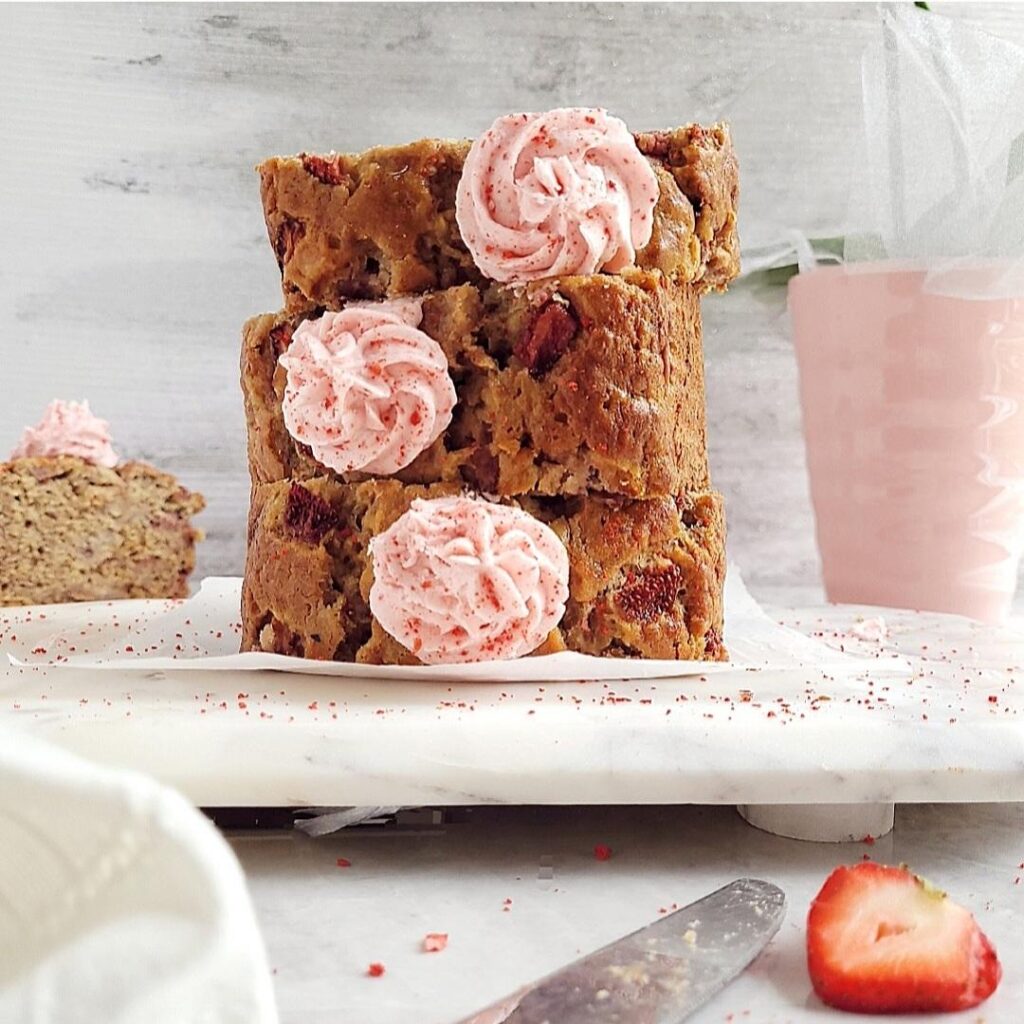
119	902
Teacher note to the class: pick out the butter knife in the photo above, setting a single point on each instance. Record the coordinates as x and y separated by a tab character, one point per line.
659	974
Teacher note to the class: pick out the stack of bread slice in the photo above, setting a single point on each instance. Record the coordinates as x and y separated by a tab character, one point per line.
471	325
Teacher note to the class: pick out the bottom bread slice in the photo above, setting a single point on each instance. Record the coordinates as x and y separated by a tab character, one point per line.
72	531
645	576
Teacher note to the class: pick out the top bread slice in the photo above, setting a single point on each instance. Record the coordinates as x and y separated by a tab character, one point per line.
382	223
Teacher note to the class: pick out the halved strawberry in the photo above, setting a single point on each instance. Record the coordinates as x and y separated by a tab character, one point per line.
882	940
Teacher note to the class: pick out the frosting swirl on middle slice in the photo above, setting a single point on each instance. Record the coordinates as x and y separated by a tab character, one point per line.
365	388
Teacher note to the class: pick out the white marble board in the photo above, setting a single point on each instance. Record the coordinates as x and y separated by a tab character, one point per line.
952	731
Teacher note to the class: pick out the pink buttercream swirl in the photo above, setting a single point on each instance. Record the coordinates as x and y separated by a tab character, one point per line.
462	579
365	388
68	428
566	192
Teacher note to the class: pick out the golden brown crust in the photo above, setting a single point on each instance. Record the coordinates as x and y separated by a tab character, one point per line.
646	577
618	407
382	223
72	531
703	163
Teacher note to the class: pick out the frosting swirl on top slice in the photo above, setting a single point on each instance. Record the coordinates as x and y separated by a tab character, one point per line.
68	428
365	388
565	192
462	579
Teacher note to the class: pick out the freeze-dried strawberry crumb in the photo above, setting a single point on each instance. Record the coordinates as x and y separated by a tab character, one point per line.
289	232
375	970
342	862
650	592
602	852
325	169
308	516
280	337
546	338
434	942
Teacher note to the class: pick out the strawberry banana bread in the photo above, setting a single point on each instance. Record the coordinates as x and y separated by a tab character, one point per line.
477	431
597	384
386	573
386	222
75	525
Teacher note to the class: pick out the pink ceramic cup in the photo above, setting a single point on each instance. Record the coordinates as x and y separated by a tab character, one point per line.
913	408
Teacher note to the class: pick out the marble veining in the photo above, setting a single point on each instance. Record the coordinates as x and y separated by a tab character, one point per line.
953	730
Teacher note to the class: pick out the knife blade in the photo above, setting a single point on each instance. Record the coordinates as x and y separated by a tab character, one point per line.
659	974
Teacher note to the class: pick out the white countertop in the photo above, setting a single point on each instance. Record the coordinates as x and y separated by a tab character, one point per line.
323	924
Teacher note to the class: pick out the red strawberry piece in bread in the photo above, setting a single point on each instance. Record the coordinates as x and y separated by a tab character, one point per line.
882	940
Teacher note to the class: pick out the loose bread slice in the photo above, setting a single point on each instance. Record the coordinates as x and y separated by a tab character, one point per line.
72	531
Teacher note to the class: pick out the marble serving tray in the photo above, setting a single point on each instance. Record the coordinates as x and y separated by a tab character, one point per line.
948	728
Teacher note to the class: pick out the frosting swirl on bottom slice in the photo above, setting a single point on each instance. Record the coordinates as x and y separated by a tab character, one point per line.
462	579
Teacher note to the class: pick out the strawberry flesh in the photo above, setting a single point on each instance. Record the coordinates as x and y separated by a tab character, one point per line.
882	940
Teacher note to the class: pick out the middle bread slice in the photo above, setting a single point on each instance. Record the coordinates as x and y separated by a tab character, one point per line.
592	383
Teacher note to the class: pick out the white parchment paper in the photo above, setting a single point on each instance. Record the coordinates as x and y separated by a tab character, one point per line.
203	633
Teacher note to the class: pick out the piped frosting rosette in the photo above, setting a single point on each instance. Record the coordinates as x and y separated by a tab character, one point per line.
68	428
565	192
366	389
461	579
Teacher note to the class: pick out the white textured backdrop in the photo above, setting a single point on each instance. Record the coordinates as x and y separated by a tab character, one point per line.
133	245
